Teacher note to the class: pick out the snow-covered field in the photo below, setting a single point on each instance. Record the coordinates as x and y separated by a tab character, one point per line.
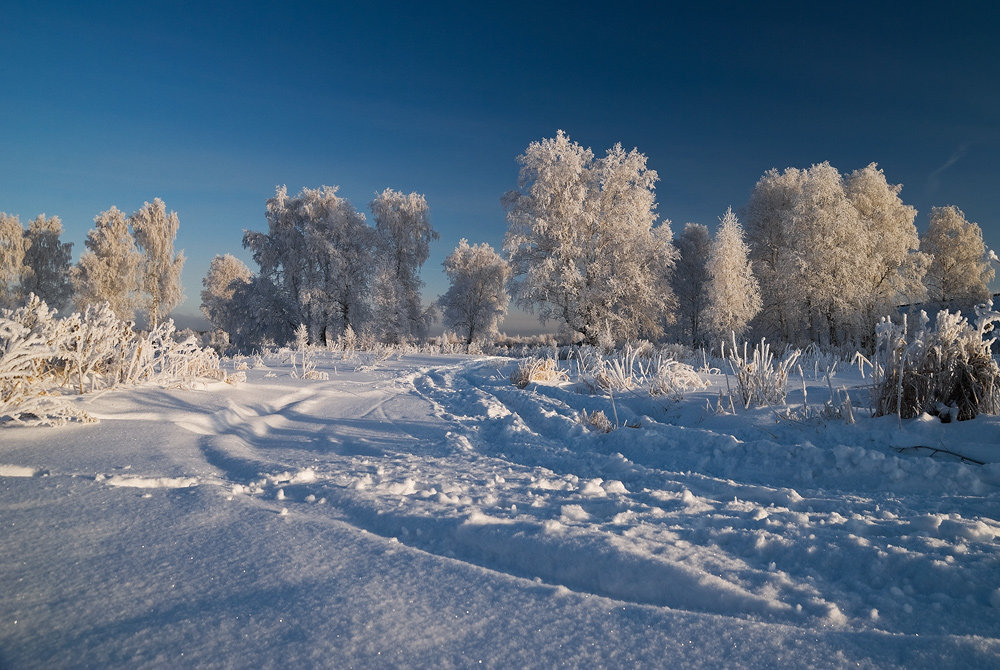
425	512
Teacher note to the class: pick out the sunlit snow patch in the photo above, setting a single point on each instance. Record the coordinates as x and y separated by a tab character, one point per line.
151	482
17	471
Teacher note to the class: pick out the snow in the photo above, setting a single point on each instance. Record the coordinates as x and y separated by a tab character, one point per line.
421	510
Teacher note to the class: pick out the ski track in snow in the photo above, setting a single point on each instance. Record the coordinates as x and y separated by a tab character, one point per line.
714	514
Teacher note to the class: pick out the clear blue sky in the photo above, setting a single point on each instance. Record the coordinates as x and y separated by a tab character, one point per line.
211	105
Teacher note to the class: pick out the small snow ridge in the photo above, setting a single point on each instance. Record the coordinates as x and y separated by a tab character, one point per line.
593	489
479	519
152	482
615	486
575	513
17	471
304	476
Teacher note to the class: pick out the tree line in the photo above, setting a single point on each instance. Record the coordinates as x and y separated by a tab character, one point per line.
129	263
822	256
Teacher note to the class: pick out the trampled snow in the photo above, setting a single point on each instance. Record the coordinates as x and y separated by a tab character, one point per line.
423	511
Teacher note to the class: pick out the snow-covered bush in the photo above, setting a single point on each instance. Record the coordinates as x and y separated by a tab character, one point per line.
348	340
305	356
40	355
537	370
596	421
29	337
635	368
673	378
759	379
94	345
945	370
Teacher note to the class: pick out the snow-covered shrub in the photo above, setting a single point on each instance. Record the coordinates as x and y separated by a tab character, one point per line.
29	339
348	340
40	355
185	362
596	421
537	370
946	370
673	378
93	346
759	379
307	365
158	357
620	373
629	370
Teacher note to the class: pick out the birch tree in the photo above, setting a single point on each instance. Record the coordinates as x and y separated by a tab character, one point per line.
155	232
959	270
477	299
733	294
12	245
110	269
402	222
226	275
894	268
47	262
318	256
690	281
582	243
809	249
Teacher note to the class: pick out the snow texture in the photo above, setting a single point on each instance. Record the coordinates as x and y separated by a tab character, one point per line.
423	511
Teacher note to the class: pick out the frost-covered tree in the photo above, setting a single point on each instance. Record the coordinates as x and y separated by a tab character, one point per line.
894	268
690	281
12	244
582	243
733	294
259	315
477	299
809	249
317	257
832	253
46	262
110	269
959	270
404	231
225	275
155	231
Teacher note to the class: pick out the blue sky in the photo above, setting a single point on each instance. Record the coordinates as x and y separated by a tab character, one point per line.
211	105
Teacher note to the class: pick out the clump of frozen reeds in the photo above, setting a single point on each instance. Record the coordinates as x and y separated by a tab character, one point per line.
305	357
631	371
596	421
946	370
532	370
760	380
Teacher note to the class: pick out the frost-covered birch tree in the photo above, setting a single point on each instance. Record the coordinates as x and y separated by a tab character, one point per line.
12	244
317	257
582	243
110	269
733	294
155	231
894	268
809	249
226	275
959	270
477	299
402	223
47	262
690	281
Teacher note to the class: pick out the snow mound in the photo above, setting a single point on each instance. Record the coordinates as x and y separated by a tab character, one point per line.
151	482
18	471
